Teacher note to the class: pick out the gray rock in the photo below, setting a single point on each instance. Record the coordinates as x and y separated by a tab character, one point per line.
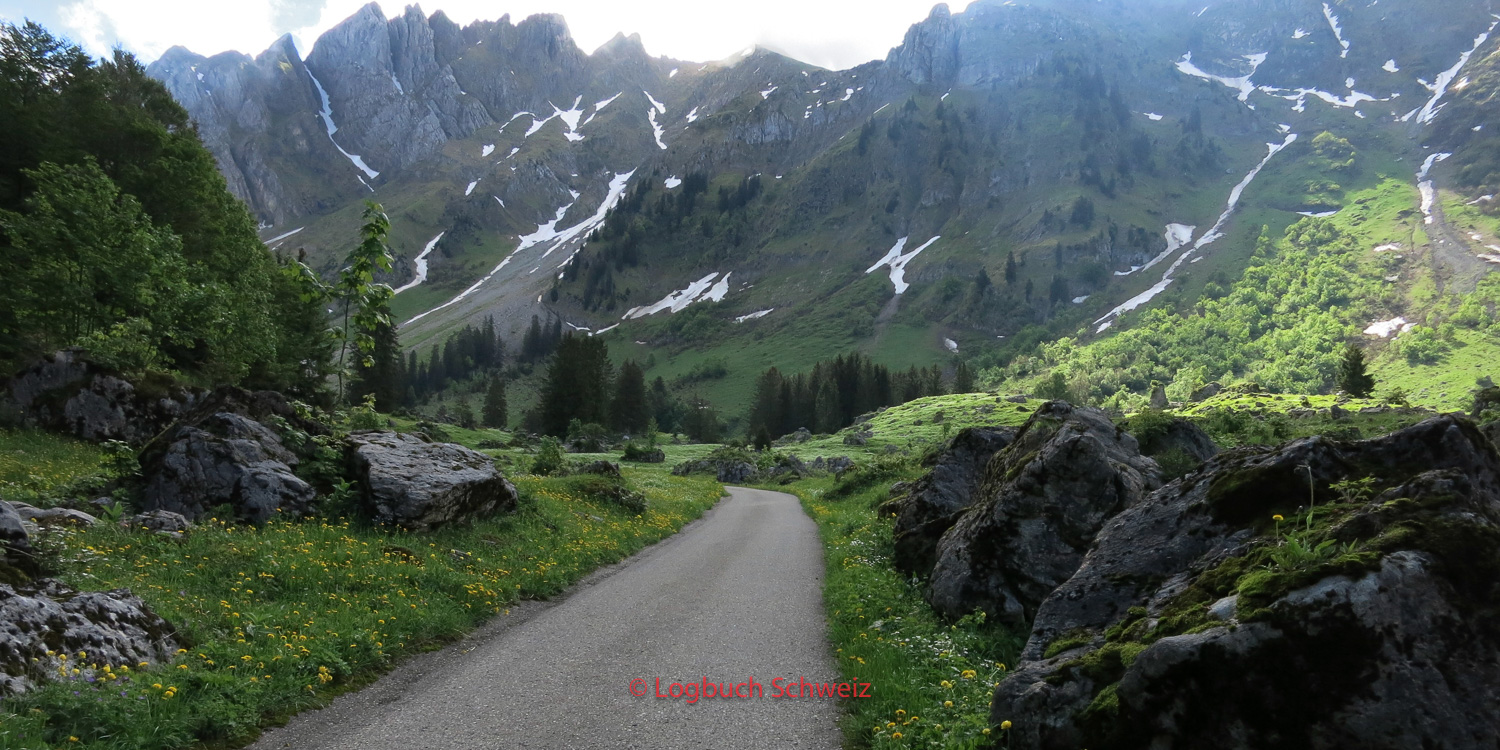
858	438
158	521
1394	651
424	486
1206	392
1017	399
66	393
223	458
940	497
50	516
15	542
1042	500
602	468
39	622
1178	440
1158	396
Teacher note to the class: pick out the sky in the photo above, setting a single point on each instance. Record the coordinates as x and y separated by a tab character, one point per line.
831	33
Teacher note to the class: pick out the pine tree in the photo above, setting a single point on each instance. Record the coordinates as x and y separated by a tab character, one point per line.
577	384
827	417
1353	378
630	409
496	414
963	379
1011	271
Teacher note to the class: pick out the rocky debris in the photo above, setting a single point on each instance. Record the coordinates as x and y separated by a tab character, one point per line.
53	516
42	621
831	464
1159	396
1042	500
223	458
644	455
159	521
1195	622
724	470
15	544
1017	399
1178	445
1206	392
1486	406
602	468
939	498
802	435
423	486
858	437
67	393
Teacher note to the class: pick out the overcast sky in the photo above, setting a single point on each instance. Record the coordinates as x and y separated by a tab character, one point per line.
830	33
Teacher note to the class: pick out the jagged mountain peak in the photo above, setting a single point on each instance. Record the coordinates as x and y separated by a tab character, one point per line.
621	45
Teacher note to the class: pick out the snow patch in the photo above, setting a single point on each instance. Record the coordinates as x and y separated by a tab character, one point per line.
676	301
1439	87
768	92
327	114
1392	247
1299	33
950	345
1152	116
1241	84
754	315
489	148
692	116
1425	186
1080	299
513	152
848	94
1384	328
1177	236
671	182
1391	67
897	262
421	262
601	105
1338	33
716	294
399	89
673	74
470	189
658	106
281	237
1317	214
656	128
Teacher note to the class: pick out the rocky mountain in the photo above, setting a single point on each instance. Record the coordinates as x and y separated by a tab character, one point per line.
1082	157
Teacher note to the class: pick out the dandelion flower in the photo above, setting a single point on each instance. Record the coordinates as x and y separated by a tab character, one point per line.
1005	725
1277	518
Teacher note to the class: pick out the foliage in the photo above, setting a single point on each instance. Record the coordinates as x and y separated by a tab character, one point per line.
834	393
577	385
1353	378
549	458
496	412
365	303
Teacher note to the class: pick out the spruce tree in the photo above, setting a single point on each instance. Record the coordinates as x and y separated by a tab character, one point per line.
496	414
1353	378
963	379
629	409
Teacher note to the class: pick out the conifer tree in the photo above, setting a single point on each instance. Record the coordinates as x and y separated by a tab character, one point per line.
1353	378
496	414
629	409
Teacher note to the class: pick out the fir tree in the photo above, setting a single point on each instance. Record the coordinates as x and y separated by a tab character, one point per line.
629	409
963	379
496	414
1353	378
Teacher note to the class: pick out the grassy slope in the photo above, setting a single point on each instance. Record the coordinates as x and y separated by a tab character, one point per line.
282	618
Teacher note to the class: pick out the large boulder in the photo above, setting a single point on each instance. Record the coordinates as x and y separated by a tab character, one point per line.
16	553
937	500
1042	500
42	622
1198	620
223	458
408	482
67	393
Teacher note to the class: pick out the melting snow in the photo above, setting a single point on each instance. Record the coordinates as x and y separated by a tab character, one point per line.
950	345
1177	236
848	93
421	262
754	315
692	116
281	237
1384	328
497	200
1425	186
1317	214
768	92
601	105
327	114
536	124
399	89
656	128
673	74
1081	299
1338	33
1391	67
1213	234
1388	248
720	289
676	301
897	262
1299	33
1152	116
662	108
489	148
1440	86
570	118
1242	84
1482	199
671	182
513	152
470	188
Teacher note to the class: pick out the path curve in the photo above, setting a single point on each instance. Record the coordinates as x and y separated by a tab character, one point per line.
735	595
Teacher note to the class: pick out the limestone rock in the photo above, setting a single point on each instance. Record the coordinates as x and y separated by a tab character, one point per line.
423	486
15	542
67	393
1385	642
44	619
940	497
1042	500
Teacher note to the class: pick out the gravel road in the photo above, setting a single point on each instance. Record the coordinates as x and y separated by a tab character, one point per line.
734	596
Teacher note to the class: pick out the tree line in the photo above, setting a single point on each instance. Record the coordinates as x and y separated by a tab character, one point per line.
837	391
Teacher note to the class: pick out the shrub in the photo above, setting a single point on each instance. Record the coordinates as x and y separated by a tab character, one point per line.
549	458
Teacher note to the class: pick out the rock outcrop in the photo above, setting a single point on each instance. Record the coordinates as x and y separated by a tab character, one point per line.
223	453
407	482
42	622
1199	620
937	500
67	393
16	560
1042	500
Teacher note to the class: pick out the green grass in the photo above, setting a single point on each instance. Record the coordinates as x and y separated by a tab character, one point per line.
35	464
930	680
1449	383
281	618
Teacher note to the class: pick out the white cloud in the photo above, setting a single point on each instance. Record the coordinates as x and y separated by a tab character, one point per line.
831	33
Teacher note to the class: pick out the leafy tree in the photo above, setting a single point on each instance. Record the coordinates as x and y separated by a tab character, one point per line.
1353	378
366	304
495	412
